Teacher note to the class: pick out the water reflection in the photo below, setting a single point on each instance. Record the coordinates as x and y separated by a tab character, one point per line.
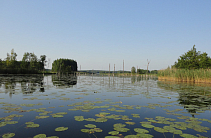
195	98
135	79
28	84
67	81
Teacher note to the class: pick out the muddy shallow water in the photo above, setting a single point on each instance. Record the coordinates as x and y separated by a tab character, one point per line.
102	106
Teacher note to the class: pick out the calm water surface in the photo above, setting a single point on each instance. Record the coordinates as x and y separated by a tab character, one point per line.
130	107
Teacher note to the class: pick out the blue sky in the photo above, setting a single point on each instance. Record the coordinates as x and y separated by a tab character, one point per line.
98	32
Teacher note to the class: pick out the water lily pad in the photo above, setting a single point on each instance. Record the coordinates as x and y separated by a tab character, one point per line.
121	129
12	122
32	125
41	117
28	123
130	123
73	109
85	130
142	135
79	118
119	125
98	130
90	119
113	132
104	113
101	120
90	126
61	128
57	116
131	136
40	136
147	125
61	113
8	135
161	130
139	130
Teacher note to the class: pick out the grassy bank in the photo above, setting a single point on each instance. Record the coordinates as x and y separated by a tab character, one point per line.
195	75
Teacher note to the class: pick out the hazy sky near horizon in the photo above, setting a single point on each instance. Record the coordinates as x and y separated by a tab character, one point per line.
98	32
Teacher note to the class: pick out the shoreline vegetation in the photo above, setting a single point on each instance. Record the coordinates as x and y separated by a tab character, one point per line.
185	75
30	64
192	66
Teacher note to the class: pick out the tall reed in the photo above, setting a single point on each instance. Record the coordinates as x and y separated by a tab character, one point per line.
194	75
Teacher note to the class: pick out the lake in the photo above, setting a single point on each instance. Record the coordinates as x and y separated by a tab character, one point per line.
53	106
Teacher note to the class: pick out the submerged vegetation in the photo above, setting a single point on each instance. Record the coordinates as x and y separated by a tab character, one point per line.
190	67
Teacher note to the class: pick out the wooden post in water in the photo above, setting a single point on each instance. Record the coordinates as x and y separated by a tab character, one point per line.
123	67
109	69
114	70
147	66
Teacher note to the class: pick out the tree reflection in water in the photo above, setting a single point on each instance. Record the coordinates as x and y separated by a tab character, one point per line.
195	98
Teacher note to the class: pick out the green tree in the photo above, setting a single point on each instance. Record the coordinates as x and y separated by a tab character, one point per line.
43	61
11	59
142	71
133	70
154	72
25	61
193	60
33	60
64	65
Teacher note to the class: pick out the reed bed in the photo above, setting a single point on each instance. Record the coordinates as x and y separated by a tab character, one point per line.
195	75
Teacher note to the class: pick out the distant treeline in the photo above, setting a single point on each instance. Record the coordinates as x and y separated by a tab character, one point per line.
29	64
64	66
143	71
101	71
140	71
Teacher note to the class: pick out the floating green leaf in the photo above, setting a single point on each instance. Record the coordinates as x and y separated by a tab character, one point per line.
188	136
139	130
131	136
90	119
41	117
8	135
101	120
85	130
121	129
111	137
147	125
40	136
130	123
79	118
119	125
61	128
32	125
90	126
161	130
113	132
142	135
